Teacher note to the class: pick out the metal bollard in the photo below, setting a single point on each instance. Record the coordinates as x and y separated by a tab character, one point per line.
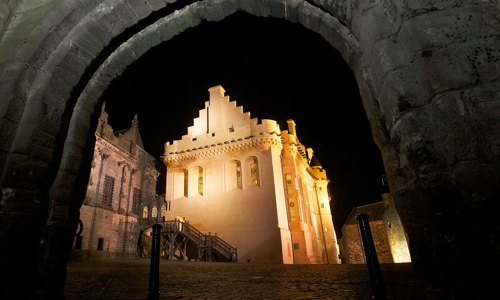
371	258
154	268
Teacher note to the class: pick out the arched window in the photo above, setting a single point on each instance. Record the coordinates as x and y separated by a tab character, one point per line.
180	182
163	210
200	181
154	212
145	212
252	176
232	174
239	183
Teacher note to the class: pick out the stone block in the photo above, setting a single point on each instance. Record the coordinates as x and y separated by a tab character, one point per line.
116	14
157	4
384	57
375	26
436	135
445	68
90	40
337	8
141	8
211	11
440	28
75	62
401	90
484	55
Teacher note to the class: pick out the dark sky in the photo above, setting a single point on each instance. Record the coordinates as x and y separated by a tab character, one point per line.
275	70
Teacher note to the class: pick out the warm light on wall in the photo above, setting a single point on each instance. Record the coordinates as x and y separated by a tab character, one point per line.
400	253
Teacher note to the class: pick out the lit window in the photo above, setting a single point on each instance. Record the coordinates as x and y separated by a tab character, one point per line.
163	210
154	212
200	181
107	190
145	212
232	175
185	183
238	174
252	171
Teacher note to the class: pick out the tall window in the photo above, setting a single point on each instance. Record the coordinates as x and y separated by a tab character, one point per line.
154	212
200	181
180	183
233	175
186	183
107	190
238	175
252	171
163	210
145	212
136	198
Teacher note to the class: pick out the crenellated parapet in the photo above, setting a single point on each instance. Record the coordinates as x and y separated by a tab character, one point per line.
222	127
264	141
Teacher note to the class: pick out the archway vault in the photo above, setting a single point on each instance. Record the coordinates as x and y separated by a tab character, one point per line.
58	57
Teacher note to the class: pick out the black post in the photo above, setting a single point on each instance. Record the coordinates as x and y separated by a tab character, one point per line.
371	258
154	268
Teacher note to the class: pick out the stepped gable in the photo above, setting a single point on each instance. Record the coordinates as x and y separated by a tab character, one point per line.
223	126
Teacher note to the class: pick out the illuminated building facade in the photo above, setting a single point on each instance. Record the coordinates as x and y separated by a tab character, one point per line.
122	182
258	187
387	230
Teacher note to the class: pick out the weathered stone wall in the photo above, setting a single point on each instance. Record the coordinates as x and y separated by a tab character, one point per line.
117	155
352	244
427	72
395	231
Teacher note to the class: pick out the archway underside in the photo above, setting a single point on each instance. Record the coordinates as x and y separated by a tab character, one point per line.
432	103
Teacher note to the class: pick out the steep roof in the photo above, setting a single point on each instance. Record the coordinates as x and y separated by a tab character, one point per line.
133	134
374	210
315	162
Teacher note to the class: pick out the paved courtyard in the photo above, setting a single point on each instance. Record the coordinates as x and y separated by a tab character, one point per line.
128	279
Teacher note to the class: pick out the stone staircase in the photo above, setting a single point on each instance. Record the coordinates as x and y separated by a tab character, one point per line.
181	238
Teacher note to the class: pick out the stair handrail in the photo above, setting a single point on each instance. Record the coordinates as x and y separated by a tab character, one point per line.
196	236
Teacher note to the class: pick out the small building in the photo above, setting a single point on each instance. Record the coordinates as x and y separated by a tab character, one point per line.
253	184
122	177
387	230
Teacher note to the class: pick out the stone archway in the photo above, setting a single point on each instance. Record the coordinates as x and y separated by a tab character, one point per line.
430	92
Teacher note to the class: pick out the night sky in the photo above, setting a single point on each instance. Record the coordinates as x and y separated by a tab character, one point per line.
275	70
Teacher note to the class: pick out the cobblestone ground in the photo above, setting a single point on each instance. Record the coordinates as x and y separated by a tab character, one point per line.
128	279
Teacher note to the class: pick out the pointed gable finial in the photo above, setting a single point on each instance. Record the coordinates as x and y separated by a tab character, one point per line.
103	118
135	121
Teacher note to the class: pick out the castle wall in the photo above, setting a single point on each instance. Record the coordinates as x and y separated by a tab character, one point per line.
246	217
387	232
255	216
122	177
